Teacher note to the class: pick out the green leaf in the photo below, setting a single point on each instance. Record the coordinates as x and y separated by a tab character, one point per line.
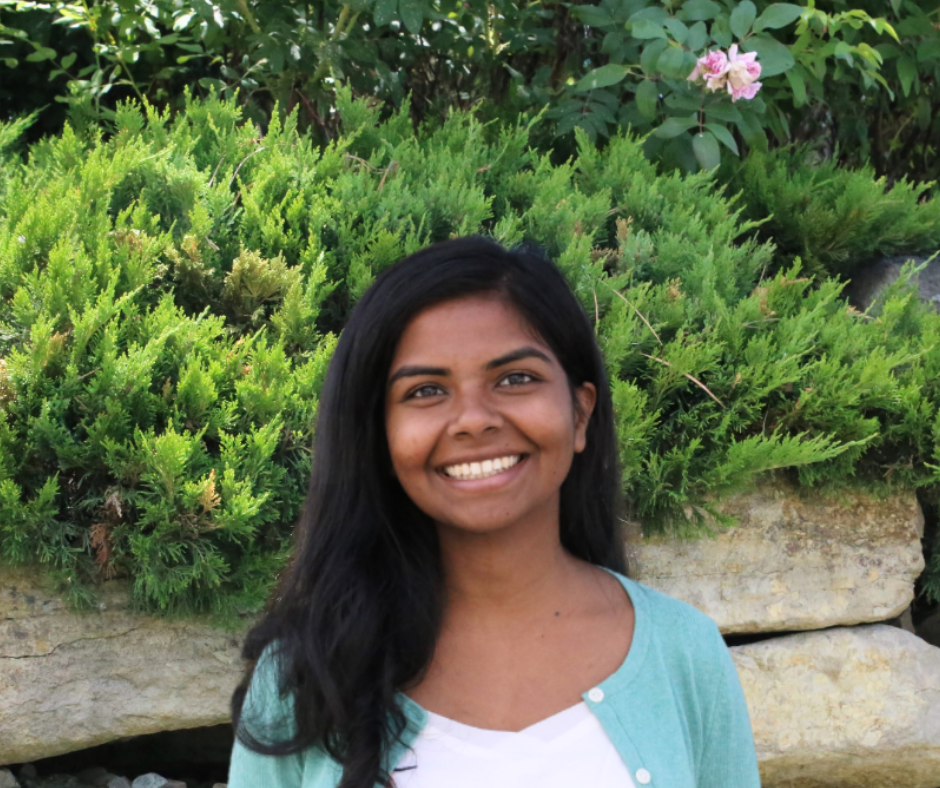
12	62
699	10
742	18
721	33
724	136
68	60
651	53
182	21
645	28
752	131
592	16
723	111
655	13
412	14
706	150
41	53
776	16
698	37
907	73
797	85
670	62
601	77
673	127
647	98
384	12
684	101
774	57
677	30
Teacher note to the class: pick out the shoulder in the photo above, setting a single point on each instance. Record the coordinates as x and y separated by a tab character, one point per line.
268	704
679	639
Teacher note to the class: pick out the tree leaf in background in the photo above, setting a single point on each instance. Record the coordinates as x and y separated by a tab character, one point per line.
412	14
699	10
601	77
592	16
797	85
706	150
644	28
384	12
670	62
673	127
647	98
41	53
698	37
724	136
774	57
742	18
677	30
907	73
776	16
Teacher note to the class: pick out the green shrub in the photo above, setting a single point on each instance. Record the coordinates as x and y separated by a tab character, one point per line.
170	297
833	218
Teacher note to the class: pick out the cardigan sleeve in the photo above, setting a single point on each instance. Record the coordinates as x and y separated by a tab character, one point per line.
267	717
729	759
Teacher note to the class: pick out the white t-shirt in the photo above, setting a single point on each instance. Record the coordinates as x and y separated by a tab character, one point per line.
567	750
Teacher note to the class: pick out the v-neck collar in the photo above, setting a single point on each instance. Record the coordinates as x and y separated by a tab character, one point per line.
417	716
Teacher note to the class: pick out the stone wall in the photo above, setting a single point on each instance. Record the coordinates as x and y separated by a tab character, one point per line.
840	700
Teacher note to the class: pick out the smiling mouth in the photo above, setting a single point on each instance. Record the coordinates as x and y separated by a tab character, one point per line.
481	470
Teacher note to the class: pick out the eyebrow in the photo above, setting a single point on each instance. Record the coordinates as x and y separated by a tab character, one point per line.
508	358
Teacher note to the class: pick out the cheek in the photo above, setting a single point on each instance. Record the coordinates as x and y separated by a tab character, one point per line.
409	443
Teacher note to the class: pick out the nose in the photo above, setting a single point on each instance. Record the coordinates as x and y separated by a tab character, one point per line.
475	413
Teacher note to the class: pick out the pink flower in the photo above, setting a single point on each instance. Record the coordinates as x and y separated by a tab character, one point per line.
742	73
712	67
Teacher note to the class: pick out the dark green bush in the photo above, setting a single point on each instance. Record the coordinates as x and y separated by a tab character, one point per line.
170	296
834	219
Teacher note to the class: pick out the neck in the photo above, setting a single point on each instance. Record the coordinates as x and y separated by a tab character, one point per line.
507	574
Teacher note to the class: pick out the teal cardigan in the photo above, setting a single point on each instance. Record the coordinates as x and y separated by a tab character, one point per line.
674	710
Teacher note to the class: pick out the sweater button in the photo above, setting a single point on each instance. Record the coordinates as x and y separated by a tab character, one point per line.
596	695
642	776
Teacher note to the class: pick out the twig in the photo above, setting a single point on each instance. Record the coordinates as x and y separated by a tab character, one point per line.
391	168
640	314
216	171
696	381
234	174
597	310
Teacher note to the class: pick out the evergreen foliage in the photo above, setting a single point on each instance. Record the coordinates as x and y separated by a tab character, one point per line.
170	297
833	218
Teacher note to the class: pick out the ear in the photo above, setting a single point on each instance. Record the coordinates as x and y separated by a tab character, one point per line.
585	397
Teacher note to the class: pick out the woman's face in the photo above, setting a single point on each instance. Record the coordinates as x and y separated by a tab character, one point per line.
481	423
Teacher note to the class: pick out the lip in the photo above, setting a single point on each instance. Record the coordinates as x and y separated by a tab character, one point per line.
490	482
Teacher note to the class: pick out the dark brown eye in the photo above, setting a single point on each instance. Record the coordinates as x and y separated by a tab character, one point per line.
426	391
516	379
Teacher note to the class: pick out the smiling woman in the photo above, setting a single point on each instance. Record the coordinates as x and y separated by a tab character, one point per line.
457	609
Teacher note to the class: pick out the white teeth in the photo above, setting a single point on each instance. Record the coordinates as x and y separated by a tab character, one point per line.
481	470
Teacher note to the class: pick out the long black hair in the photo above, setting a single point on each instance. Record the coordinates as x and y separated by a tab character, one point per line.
357	612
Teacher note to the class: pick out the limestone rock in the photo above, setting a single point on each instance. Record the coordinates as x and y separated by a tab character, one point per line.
853	707
793	563
70	681
7	780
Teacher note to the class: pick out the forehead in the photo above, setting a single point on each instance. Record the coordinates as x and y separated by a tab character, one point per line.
471	328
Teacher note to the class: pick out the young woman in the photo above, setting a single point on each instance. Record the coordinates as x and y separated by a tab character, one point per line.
457	611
